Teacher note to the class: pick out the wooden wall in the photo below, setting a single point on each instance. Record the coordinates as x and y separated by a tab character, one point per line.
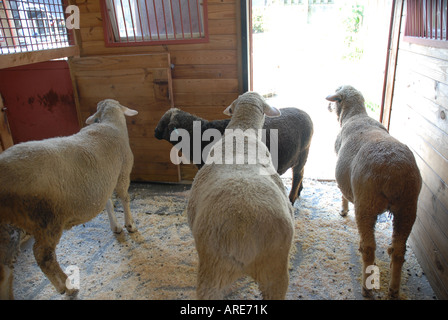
419	119
206	77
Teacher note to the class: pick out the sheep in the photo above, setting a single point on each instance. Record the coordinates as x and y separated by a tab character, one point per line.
241	220
377	173
51	185
295	131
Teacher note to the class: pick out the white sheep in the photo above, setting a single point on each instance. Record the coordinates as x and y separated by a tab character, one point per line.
376	173
51	185
241	219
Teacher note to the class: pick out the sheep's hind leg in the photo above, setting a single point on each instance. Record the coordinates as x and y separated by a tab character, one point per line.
297	184
344	210
44	252
112	218
272	275
215	278
123	195
402	226
365	220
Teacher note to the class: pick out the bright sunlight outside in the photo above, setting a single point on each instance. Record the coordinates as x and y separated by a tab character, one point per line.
304	49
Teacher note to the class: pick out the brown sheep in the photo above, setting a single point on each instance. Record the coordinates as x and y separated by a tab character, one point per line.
377	173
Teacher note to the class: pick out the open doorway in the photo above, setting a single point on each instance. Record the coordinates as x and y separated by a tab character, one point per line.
302	50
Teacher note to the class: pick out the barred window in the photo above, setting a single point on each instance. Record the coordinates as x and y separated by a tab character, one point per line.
31	25
427	22
147	22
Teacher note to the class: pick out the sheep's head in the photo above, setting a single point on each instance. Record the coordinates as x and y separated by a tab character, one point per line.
254	99
346	100
166	125
107	107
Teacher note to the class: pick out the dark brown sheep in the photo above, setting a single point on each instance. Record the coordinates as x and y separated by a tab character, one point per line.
295	130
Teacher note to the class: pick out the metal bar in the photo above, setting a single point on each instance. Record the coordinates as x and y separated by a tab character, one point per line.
189	18
139	18
441	19
430	19
435	17
132	21
149	20
181	20
155	13
124	21
116	21
164	20
173	19
199	19
446	20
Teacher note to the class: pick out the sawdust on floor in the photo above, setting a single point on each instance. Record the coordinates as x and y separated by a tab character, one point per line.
159	262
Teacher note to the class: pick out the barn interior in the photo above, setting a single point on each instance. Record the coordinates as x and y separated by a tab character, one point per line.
54	71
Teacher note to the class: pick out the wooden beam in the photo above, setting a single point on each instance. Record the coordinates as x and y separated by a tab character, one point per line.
391	63
24	58
5	133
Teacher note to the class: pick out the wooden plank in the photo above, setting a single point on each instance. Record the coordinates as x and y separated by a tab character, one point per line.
219	11
428	51
430	67
24	58
434	216
205	85
432	158
406	118
224	41
426	96
86	6
188	172
437	186
391	63
205	72
5	133
122	62
198	57
204	99
428	258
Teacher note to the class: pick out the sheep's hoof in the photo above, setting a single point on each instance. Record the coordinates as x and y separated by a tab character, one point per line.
71	292
393	294
117	229
366	293
343	213
131	228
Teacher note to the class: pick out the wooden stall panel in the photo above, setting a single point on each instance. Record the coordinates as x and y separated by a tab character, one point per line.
419	119
141	82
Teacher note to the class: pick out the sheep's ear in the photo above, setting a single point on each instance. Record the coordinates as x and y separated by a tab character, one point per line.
128	112
229	110
93	118
271	111
334	97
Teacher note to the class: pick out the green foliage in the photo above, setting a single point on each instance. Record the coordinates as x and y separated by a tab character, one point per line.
353	25
372	108
258	21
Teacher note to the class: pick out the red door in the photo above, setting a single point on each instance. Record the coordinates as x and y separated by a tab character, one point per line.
39	101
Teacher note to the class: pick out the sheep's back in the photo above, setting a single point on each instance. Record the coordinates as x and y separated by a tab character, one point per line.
67	170
233	208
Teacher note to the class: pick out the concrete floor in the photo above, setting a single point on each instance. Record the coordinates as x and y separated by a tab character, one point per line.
159	262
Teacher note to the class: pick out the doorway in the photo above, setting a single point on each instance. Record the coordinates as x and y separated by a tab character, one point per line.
302	50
